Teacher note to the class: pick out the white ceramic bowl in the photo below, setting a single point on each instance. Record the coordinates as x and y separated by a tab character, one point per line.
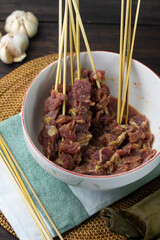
144	96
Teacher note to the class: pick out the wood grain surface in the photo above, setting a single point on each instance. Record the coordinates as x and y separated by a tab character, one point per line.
101	21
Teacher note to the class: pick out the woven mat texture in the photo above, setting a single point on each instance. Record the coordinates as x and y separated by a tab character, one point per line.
12	89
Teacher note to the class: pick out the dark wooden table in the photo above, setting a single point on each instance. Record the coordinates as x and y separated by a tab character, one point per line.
101	20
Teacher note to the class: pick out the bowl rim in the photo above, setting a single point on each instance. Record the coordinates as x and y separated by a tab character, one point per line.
69	171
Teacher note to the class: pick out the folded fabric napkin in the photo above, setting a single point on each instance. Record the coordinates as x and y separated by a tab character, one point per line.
68	206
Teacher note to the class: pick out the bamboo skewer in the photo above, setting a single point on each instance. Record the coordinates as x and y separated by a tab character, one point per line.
125	39
60	21
65	59
120	67
130	58
72	23
85	40
78	44
24	194
60	33
71	49
125	50
123	44
128	52
8	152
84	35
60	53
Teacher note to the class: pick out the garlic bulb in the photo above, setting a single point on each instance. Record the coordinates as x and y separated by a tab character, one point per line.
21	21
13	47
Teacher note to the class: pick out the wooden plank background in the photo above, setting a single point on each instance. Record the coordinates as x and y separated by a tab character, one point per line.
101	20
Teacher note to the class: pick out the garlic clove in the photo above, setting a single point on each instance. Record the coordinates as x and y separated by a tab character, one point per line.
4	39
12	49
30	28
5	56
20	58
10	19
22	29
7	26
15	26
21	41
31	17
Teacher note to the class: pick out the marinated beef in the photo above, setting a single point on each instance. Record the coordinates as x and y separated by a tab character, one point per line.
88	139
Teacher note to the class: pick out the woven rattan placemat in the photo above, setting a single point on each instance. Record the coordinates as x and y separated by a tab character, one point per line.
12	89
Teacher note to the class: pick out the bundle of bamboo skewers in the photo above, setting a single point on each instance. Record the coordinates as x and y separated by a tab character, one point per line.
74	33
126	51
16	174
